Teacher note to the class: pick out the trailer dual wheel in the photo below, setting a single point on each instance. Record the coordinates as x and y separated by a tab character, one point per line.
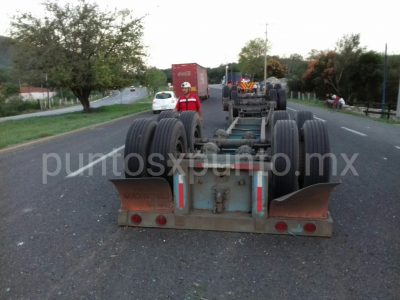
230	113
225	92
300	117
167	114
285	158
235	112
236	100
317	166
273	95
281	99
192	124
137	147
279	115
169	139
234	95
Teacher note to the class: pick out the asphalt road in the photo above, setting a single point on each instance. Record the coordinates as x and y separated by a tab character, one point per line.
60	240
118	97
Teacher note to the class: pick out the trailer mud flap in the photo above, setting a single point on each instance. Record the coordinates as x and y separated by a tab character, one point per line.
144	194
308	203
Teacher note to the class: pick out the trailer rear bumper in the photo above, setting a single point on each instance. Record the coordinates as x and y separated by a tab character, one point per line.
236	222
149	202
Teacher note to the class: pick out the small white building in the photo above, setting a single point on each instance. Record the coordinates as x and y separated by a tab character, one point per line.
30	93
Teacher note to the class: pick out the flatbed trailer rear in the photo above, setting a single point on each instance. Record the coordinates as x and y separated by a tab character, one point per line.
230	182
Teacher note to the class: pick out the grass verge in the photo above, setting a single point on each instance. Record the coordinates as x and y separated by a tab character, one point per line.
321	104
20	131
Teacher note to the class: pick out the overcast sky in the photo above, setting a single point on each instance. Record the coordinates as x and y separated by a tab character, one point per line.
213	32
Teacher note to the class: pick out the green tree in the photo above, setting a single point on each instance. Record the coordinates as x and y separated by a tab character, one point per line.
276	68
215	74
155	79
6	49
393	79
348	51
366	81
251	58
332	71
296	67
320	67
80	47
168	74
8	86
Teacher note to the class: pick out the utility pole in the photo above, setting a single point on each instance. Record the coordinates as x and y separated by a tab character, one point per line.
398	103
265	54
226	75
384	82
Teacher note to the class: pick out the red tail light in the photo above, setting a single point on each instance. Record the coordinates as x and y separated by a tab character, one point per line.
161	220
136	219
281	227
309	227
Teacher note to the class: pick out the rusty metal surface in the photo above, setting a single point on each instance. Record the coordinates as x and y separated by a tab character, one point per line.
310	202
145	194
233	222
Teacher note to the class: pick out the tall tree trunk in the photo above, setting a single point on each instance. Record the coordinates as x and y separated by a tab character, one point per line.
86	105
83	94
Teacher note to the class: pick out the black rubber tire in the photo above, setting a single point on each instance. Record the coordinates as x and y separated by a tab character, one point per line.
316	141
273	95
279	115
193	128
230	113
281	101
234	95
301	116
235	112
285	141
225	92
138	140
169	138
167	114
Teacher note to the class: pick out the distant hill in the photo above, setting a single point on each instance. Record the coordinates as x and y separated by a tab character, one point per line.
6	50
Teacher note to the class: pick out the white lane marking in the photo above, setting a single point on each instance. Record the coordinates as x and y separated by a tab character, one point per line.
291	109
315	117
353	131
77	172
397	147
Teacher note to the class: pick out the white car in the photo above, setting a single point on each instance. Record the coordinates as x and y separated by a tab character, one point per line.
164	101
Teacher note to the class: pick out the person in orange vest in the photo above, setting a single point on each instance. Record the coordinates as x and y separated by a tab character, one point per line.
189	100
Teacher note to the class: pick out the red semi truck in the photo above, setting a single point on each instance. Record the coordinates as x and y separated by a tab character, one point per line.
193	73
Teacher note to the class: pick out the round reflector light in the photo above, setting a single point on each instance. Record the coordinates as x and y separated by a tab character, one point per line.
161	220
136	219
281	227
309	227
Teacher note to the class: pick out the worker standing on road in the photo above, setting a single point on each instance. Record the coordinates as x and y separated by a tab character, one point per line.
189	101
